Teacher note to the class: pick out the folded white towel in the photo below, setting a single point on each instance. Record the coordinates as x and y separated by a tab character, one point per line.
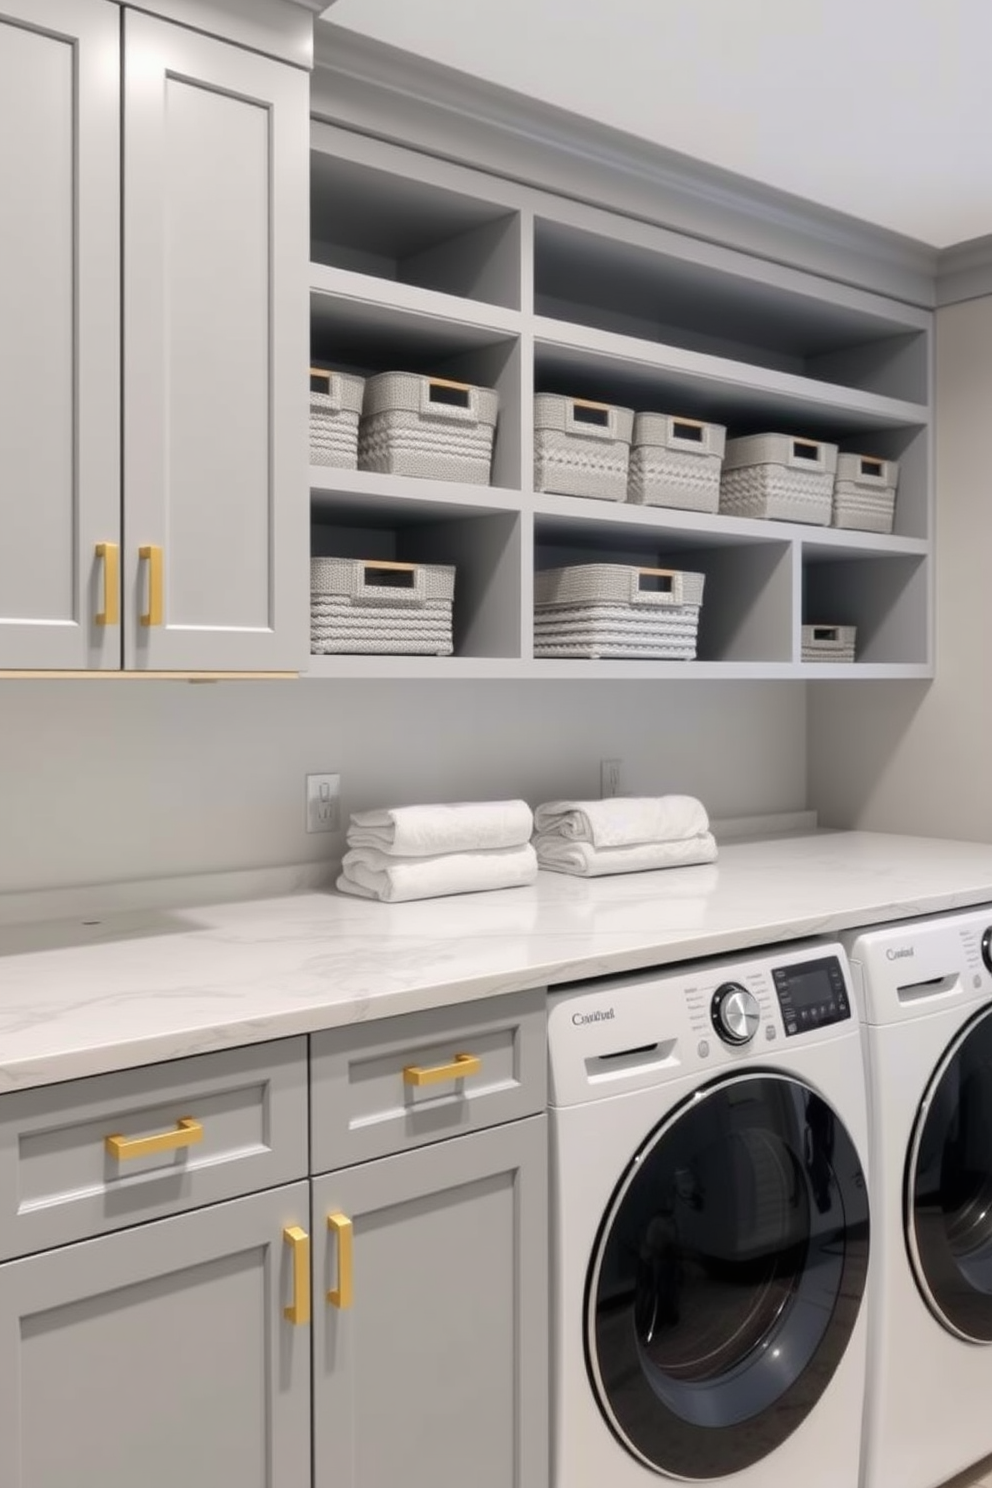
425	831
595	862
623	821
378	875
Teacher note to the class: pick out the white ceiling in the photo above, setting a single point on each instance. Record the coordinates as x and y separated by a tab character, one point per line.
881	108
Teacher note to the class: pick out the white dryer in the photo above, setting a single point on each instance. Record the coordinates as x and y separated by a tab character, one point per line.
925	991
710	1225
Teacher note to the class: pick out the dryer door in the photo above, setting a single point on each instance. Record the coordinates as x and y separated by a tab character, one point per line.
948	1188
727	1276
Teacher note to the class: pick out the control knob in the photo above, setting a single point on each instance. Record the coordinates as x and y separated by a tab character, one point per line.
735	1013
987	948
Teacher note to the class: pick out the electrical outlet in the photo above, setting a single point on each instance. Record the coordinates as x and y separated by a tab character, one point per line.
609	778
323	803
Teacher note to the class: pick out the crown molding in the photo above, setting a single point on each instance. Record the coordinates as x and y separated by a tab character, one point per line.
964	272
394	95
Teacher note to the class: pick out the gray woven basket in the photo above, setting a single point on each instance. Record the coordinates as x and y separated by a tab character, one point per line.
611	610
779	477
428	427
865	493
367	606
581	448
676	462
334	415
828	642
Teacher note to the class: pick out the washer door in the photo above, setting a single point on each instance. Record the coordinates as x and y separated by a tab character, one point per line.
727	1277
948	1191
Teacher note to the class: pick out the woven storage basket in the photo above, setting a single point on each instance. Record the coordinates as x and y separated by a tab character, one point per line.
398	609
428	427
828	642
334	414
581	448
610	610
777	476
865	493
676	462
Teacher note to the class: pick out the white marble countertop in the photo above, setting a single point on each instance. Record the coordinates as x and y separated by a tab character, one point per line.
83	997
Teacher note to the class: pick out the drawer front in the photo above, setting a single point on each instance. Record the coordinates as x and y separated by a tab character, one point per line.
94	1155
387	1087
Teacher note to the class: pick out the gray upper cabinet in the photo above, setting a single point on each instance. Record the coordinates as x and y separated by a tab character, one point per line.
430	1320
59	333
162	1355
215	354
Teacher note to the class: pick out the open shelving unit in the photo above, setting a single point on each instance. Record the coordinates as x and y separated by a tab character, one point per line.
423	265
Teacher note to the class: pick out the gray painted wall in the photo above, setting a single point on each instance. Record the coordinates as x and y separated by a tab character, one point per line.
907	757
110	781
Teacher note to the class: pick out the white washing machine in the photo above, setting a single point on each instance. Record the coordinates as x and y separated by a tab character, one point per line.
710	1225
925	992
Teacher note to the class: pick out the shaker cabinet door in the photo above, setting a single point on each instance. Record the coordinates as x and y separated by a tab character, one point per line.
430	1316
160	1356
216	317
59	334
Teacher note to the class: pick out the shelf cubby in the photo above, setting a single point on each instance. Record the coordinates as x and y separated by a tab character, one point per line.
883	593
389	227
364	337
483	542
747	600
716	303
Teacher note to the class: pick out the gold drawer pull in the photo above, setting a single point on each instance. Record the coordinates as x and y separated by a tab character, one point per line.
152	555
298	1311
111	612
341	1296
462	1067
187	1133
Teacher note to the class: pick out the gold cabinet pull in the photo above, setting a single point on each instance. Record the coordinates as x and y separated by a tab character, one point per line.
462	1067
187	1133
111	612
340	1225
152	555
298	1312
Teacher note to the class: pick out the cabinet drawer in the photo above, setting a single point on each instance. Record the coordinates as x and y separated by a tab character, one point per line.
386	1087
220	1125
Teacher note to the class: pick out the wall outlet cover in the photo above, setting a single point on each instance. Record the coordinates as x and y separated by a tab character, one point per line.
323	803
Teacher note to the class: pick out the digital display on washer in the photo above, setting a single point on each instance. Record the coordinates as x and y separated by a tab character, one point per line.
811	994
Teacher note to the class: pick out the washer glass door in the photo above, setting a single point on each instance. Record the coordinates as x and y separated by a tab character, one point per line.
727	1276
948	1192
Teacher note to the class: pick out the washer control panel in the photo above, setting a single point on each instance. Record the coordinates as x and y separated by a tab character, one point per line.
811	994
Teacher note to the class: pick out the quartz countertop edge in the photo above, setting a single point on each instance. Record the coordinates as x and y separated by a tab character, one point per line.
81	998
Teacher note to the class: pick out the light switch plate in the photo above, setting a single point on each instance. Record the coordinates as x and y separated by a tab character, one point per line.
323	803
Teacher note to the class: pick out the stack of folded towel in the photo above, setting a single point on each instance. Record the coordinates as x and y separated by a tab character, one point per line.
422	852
625	834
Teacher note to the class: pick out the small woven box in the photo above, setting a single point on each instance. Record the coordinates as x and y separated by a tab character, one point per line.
865	493
610	610
335	406
676	462
829	642
360	606
780	477
428	427
581	448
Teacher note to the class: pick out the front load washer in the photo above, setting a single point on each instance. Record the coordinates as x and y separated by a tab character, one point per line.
925	991
710	1225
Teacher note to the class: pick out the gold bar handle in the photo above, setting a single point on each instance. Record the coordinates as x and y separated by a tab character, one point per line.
462	387
343	1294
187	1133
111	612
383	563
298	1312
462	1067
152	555
660	573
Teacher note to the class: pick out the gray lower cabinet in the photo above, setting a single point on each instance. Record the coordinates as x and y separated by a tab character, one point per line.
60	514
430	1327
161	1356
